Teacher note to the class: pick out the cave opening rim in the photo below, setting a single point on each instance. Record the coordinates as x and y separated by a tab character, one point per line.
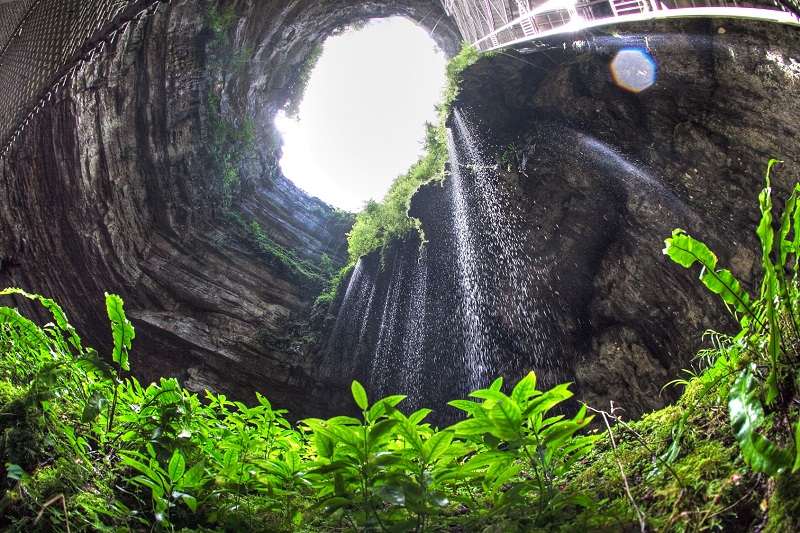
289	121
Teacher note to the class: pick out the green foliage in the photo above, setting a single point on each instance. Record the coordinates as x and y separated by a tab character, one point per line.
768	336
227	144
394	472
307	274
86	446
380	223
300	82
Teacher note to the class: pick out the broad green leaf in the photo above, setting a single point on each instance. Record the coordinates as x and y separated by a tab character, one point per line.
32	332
15	472
194	475
418	416
121	329
231	457
525	388
747	415
386	459
191	501
58	313
149	473
473	426
685	251
349	435
489	394
464	405
437	498
436	445
323	445
381	431
391	493
360	395
95	405
548	399
332	504
379	408
343	421
90	361
496	384
507	420
503	476
176	467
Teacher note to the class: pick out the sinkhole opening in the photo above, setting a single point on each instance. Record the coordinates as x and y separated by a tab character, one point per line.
361	122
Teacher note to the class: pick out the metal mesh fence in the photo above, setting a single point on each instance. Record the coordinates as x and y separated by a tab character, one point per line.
42	42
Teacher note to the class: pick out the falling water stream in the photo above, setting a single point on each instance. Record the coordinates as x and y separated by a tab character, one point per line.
455	313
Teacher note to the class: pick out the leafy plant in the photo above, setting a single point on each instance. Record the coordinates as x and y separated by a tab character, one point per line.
527	452
767	324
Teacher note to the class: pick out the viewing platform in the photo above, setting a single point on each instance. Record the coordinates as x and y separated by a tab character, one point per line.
493	24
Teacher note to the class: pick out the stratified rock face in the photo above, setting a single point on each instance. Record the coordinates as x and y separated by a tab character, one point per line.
588	180
113	187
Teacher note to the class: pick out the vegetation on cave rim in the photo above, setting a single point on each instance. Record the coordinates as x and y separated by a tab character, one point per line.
380	223
88	448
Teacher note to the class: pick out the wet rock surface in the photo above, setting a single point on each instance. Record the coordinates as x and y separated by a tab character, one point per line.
598	176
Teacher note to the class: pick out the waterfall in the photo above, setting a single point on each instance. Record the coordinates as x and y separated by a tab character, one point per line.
438	323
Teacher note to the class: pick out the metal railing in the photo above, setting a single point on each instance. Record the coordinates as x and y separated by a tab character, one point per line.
493	24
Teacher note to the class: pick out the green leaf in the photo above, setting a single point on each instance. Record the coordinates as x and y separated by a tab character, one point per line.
332	504
507	420
15	472
473	426
380	431
685	251
418	416
464	405
436	445
194	475
391	494
548	400
796	466
360	395
323	445
90	361
176	467
95	405
191	501
121	329
525	388
58	313
747	415
150	474
32	332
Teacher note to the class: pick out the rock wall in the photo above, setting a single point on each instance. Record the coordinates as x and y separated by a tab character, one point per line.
113	187
597	177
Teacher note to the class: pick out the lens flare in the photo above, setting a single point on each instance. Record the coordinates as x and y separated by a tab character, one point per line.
633	69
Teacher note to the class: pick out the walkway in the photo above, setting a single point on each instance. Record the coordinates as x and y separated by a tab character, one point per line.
493	24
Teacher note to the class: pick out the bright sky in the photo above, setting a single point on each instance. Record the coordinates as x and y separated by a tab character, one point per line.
361	122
